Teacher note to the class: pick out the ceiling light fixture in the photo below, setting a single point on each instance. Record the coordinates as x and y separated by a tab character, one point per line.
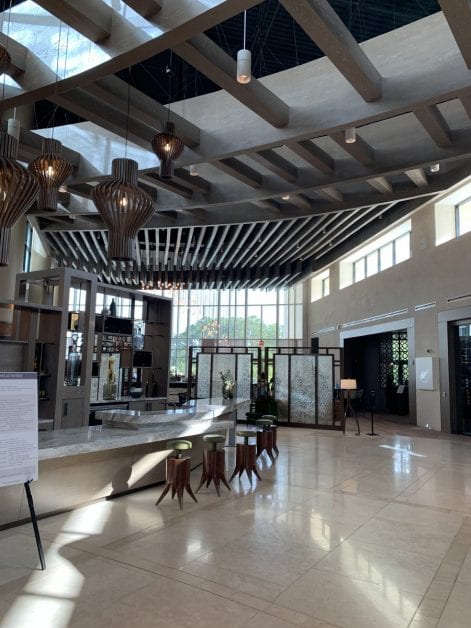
435	168
193	171
285	197
350	135
50	170
166	145
244	60
124	207
18	187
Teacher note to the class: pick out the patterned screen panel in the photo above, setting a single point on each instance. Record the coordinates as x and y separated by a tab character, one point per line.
244	375
303	389
282	386
222	363
325	387
203	379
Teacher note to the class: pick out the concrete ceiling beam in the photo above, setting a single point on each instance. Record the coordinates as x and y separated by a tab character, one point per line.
434	123
458	16
313	155
91	18
418	177
276	164
240	171
322	24
359	150
381	184
146	8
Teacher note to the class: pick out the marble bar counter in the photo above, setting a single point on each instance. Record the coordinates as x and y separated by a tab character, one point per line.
81	465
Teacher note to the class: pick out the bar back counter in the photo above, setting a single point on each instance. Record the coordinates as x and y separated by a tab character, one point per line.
128	452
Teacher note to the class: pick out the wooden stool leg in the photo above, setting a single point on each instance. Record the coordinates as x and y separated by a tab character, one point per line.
204	475
178	479
274	430
240	458
250	462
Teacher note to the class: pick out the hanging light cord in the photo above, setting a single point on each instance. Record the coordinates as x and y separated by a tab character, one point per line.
127	114
6	48
245	26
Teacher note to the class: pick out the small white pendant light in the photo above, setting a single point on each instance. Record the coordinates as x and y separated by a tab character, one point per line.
350	135
244	60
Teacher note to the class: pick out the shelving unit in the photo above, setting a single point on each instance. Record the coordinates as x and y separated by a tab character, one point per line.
62	329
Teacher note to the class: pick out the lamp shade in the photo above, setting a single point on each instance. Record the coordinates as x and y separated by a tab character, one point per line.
18	191
168	147
244	66
348	384
51	170
124	207
5	58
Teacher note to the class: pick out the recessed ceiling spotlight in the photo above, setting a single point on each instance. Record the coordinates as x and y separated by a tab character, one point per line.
285	197
350	135
435	168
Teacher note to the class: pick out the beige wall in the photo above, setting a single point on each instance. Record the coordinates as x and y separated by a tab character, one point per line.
432	274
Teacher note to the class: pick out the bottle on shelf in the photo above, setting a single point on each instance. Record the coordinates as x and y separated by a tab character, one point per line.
73	364
113	308
138	340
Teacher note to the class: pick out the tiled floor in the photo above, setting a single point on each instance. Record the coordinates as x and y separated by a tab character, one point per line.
348	531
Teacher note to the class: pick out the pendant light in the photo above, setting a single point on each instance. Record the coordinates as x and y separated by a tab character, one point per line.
18	188
124	207
350	135
244	60
166	145
51	170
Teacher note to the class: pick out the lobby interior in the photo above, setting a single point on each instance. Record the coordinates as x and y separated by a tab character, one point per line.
337	179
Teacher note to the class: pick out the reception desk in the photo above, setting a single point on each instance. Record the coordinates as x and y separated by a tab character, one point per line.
81	465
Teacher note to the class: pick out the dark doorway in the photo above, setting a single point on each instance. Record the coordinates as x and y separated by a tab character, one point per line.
462	368
380	362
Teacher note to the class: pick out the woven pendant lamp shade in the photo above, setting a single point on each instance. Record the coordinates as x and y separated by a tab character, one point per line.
5	58
51	170
124	207
168	147
18	191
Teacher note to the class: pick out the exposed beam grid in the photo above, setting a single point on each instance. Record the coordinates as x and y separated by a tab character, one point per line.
58	244
91	18
188	245
218	245
302	243
146	8
242	242
146	247
381	184
322	24
237	169
79	245
230	245
208	246
194	257
98	248
359	150
167	247
252	247
313	155
458	16
276	164
270	240
332	228
418	177
331	194
207	57
293	230
435	125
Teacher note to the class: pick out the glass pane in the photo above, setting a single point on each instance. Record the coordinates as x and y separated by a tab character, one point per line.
465	217
254	322
372	264
402	246
386	256
303	389
269	322
359	269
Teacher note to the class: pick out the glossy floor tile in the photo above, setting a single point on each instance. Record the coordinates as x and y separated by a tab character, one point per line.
342	532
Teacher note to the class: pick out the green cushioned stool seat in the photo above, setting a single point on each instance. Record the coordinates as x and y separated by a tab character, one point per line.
214	463
272	417
179	444
214	438
246	433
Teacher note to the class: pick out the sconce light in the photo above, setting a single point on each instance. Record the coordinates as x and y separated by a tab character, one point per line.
244	60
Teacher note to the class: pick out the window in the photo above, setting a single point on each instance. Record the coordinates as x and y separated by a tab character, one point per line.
392	248
233	317
453	215
28	248
320	285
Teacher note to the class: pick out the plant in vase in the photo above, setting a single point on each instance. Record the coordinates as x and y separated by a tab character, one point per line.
228	385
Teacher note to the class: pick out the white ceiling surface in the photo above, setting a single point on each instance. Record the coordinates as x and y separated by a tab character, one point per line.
282	134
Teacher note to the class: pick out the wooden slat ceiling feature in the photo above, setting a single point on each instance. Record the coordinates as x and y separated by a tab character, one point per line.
279	192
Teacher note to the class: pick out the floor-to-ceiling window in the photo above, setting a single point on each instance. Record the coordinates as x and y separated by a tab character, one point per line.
233	317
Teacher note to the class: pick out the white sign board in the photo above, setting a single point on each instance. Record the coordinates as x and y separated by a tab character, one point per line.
426	373
18	428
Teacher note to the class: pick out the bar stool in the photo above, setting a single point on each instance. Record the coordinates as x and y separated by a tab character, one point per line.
245	455
274	429
265	438
214	462
178	472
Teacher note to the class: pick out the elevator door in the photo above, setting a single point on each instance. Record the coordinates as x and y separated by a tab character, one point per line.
463	377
